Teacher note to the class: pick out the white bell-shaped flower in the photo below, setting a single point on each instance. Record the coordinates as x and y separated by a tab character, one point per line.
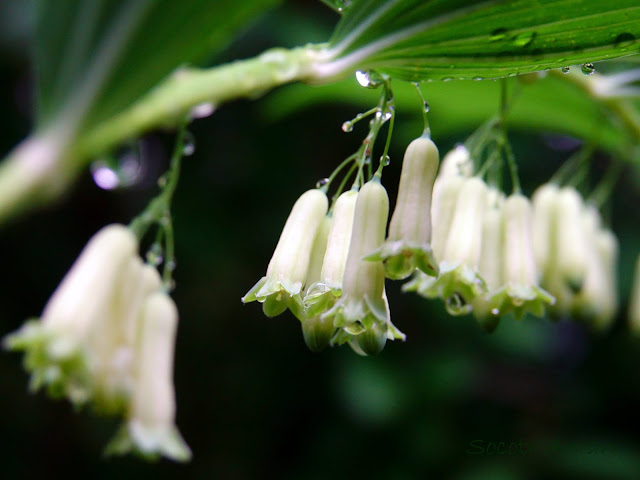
362	308
287	270
150	428
408	245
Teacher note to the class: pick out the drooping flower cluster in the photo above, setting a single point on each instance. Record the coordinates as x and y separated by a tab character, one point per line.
346	254
105	339
576	256
464	241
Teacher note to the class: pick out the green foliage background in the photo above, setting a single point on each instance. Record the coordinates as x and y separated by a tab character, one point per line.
252	401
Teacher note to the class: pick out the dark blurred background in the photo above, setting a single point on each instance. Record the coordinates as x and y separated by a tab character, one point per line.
535	399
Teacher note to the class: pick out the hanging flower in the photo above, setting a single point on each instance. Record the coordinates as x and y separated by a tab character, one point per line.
86	345
287	270
150	429
521	292
459	281
58	347
361	307
408	245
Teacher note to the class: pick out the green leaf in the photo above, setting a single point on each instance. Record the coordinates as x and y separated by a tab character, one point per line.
554	103
418	39
96	57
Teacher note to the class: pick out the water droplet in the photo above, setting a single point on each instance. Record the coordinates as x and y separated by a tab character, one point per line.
447	79
363	78
202	110
154	255
120	170
347	126
188	144
456	305
524	39
588	68
385	161
495	311
162	181
322	182
477	79
426	106
171	265
565	69
623	39
369	79
498	34
104	176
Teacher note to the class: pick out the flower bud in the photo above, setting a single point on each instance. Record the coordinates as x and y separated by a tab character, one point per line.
288	268
322	294
459	281
408	244
317	332
456	162
335	258
362	304
490	268
544	200
57	347
151	428
521	293
443	207
571	242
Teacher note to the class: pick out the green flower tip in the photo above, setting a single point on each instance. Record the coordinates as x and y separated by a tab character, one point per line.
402	258
318	332
149	443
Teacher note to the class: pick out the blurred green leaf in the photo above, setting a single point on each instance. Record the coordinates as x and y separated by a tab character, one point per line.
554	103
97	57
417	39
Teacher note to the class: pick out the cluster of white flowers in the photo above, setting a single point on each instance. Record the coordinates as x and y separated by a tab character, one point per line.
106	338
506	254
466	242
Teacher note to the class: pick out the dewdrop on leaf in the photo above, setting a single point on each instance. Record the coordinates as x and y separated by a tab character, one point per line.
408	244
287	270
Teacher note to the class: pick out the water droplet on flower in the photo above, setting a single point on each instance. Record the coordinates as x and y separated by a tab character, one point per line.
322	182
347	126
456	305
385	161
588	68
203	110
565	69
523	39
498	34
